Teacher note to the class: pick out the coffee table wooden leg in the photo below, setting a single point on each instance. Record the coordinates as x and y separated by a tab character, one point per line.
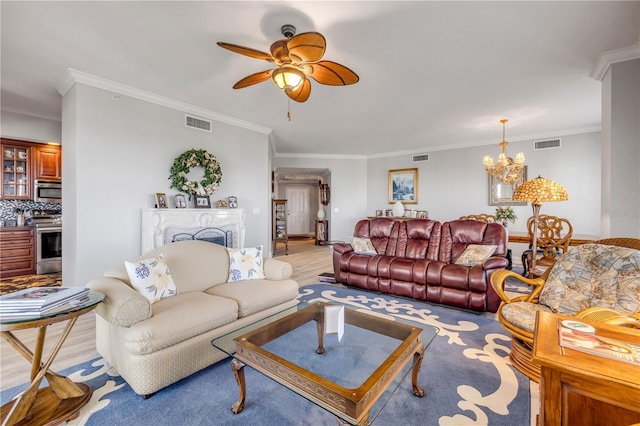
417	363
320	327
238	372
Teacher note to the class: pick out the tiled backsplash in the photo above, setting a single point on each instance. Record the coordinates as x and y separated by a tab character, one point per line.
8	207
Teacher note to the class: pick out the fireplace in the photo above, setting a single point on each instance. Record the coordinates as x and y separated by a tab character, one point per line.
163	226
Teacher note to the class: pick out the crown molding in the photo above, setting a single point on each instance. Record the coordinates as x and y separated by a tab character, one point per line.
520	138
72	76
323	156
606	59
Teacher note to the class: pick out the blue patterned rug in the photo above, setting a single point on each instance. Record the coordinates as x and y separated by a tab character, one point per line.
466	375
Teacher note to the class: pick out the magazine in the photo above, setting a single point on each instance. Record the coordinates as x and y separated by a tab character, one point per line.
37	298
58	308
606	347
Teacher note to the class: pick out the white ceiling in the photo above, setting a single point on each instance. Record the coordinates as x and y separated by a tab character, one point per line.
433	75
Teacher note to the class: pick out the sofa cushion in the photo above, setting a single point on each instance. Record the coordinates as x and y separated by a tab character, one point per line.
363	246
594	275
188	269
151	278
256	295
475	254
523	314
245	264
177	319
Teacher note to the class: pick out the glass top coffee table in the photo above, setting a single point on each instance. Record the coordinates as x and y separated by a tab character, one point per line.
352	378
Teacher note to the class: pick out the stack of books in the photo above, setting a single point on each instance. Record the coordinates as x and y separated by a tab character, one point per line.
327	277
41	301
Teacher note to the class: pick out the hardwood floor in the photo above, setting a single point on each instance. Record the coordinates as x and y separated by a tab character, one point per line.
307	259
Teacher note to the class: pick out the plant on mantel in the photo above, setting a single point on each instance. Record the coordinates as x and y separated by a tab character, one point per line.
505	214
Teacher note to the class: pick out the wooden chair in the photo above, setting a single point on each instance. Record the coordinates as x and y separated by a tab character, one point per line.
482	217
554	236
517	315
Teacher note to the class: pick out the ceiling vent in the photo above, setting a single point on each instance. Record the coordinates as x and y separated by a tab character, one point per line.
551	143
420	158
197	123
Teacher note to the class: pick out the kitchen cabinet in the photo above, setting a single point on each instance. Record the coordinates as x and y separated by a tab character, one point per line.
279	221
48	162
17	251
16	171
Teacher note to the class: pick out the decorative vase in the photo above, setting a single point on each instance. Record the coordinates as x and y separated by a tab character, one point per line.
398	209
321	214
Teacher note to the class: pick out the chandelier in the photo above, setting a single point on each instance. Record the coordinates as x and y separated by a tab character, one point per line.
507	170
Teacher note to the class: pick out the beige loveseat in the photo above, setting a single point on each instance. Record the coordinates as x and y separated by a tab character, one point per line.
154	345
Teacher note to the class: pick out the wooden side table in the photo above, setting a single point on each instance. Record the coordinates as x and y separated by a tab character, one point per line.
62	399
322	231
577	388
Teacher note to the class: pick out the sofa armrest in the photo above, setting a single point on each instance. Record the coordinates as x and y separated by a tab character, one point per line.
122	305
342	247
277	270
495	262
499	277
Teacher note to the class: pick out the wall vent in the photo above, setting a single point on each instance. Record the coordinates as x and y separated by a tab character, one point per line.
197	123
551	143
420	158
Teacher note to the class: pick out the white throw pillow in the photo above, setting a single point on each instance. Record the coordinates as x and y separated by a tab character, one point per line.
475	254
363	246
245	264
151	278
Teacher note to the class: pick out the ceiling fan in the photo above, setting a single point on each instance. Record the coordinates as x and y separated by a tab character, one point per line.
297	57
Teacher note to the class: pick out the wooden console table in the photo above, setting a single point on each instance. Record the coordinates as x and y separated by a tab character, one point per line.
580	389
576	240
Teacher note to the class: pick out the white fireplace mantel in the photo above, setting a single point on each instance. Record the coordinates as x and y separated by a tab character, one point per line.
156	221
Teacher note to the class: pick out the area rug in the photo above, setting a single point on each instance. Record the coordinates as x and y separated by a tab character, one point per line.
466	375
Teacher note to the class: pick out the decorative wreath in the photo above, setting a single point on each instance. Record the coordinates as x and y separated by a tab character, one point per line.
196	158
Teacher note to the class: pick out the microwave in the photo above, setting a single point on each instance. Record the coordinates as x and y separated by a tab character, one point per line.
47	191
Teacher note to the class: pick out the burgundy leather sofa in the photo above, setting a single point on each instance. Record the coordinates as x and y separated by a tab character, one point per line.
416	259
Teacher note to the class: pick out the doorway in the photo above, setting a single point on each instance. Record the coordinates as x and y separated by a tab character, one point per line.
298	206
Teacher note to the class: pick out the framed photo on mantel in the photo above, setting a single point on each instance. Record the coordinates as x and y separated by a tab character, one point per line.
202	202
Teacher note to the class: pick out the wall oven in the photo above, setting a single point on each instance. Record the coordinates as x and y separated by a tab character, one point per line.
47	191
48	248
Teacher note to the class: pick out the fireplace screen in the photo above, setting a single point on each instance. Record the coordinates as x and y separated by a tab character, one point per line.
212	235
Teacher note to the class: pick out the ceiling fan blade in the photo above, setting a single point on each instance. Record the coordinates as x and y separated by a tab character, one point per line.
246	51
252	79
301	94
331	73
307	47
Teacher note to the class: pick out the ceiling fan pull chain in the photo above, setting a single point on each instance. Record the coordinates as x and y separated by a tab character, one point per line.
289	109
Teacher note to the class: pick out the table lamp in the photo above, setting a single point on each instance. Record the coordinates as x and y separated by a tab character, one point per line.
537	191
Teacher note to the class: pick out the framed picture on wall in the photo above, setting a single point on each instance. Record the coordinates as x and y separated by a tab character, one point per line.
403	186
500	192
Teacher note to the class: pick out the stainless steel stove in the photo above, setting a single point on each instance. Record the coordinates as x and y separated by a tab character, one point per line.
48	240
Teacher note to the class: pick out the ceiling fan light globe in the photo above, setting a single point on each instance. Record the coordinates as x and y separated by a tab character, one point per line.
288	78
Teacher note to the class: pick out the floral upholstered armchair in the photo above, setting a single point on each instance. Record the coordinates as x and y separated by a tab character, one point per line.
597	282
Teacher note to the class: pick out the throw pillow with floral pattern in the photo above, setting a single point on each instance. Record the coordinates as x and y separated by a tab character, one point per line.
151	278
245	264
